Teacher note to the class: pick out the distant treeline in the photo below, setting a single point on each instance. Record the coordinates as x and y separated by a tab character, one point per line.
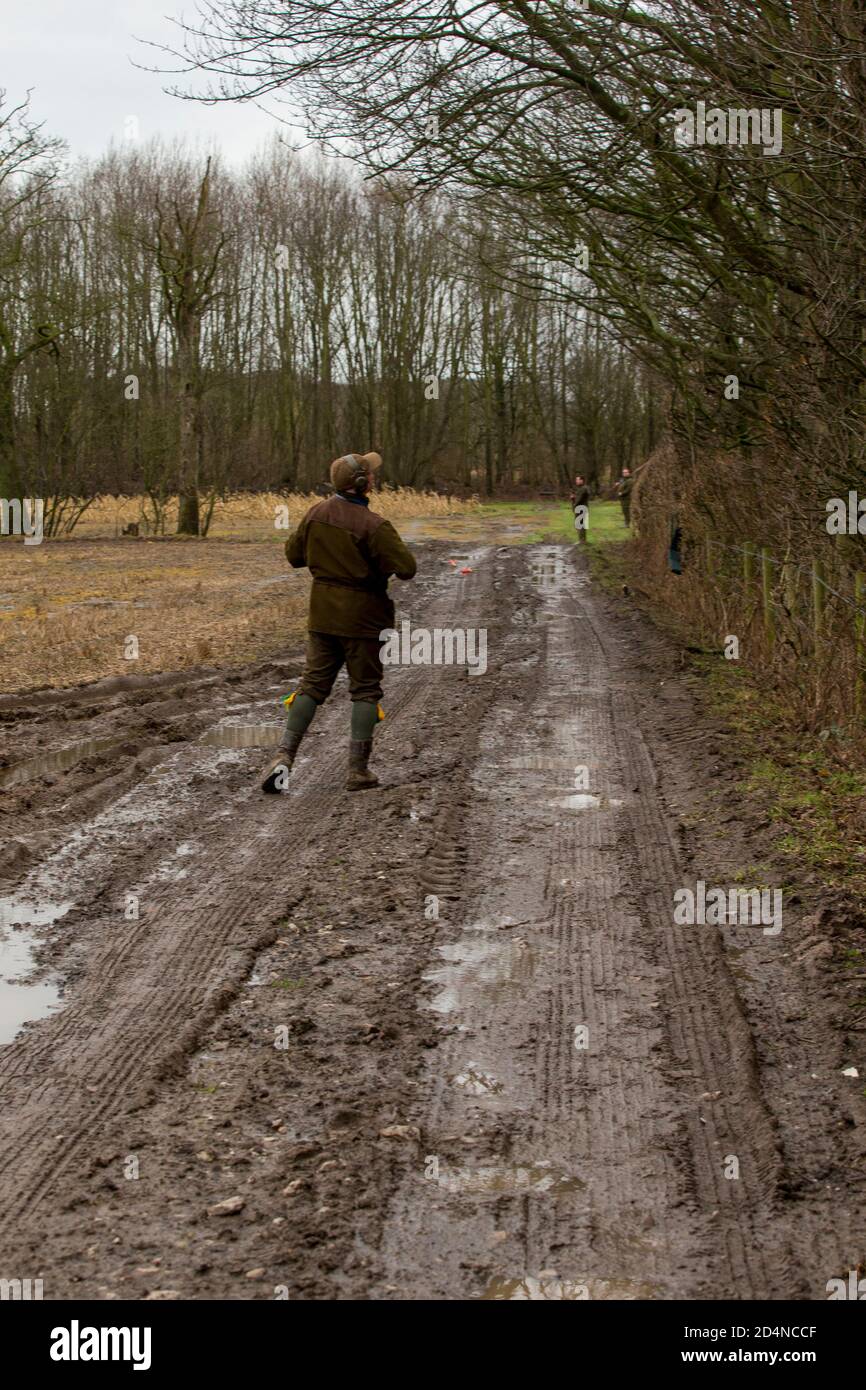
168	325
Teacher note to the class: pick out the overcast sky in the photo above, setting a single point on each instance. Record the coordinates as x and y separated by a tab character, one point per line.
78	55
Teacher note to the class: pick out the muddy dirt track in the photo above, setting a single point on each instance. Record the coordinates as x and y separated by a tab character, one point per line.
441	1039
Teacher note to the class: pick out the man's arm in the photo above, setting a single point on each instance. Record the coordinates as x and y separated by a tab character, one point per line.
390	554
296	547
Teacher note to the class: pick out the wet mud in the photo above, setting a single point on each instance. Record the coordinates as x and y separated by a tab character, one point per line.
441	1039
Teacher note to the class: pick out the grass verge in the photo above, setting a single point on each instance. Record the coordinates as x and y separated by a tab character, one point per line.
810	784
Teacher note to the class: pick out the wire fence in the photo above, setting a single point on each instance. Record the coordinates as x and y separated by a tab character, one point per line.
760	552
757	577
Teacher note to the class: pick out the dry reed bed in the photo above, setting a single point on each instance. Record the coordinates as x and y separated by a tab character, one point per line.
248	515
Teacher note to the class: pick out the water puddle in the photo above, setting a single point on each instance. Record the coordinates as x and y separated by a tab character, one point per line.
511	1179
244	735
585	801
159	805
531	1289
549	570
59	761
483	965
23	1001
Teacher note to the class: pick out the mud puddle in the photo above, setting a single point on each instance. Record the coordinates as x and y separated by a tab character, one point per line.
161	805
22	999
548	570
540	1178
244	735
61	760
586	801
483	966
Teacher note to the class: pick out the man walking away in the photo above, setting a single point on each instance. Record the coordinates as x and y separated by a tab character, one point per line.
580	507
351	553
623	490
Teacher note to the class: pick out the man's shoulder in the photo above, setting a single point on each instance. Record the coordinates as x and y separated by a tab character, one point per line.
388	531
348	516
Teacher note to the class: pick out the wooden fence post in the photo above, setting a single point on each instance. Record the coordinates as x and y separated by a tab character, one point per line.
748	567
789	583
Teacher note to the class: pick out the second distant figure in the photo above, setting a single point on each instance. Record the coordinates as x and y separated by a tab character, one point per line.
580	507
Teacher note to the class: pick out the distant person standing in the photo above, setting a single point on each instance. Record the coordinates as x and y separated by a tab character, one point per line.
580	507
623	492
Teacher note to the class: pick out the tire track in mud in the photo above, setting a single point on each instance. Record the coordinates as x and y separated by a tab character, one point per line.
551	1170
150	988
476	1148
711	1041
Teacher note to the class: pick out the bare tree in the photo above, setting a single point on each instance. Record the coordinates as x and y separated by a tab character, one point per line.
188	247
28	167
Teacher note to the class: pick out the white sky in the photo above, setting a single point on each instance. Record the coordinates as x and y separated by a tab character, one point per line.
78	55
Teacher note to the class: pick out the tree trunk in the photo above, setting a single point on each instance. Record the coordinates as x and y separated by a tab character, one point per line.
10	478
188	519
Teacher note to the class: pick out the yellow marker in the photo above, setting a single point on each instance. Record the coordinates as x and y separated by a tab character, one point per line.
380	712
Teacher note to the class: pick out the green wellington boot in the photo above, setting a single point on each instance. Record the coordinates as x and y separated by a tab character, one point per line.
276	773
359	774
